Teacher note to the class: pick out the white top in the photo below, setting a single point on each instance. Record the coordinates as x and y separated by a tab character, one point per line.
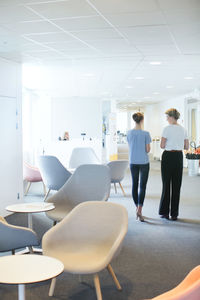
21	269
32	207
175	135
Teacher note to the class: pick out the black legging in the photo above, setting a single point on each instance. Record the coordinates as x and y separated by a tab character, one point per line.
140	175
171	171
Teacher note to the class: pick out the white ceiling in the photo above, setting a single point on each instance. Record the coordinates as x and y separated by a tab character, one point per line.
104	47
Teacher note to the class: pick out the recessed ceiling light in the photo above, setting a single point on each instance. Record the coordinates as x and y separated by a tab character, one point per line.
169	87
139	77
156	93
128	87
155	63
188	77
147	97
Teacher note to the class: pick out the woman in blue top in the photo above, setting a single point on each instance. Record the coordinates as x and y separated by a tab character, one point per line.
139	145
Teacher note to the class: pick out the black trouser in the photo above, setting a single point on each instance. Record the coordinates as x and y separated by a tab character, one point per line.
171	171
140	175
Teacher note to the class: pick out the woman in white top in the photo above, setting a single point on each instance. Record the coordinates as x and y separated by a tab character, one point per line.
174	140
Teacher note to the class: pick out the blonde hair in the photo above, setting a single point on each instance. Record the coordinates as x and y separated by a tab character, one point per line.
173	112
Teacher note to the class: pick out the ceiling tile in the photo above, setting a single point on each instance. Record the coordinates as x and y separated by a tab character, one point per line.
147	35
44	54
93	22
182	16
63	9
186	34
179	4
125	6
49	37
158	50
80	52
114	46
96	34
31	27
63	45
137	19
16	14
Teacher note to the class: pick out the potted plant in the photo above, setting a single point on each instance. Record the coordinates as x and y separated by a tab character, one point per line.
193	160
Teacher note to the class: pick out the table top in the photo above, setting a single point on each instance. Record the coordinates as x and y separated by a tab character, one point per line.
22	269
32	207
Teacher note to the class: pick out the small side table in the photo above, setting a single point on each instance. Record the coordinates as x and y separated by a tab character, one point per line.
29	208
23	269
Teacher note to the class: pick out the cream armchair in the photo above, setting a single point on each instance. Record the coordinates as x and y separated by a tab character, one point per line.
87	240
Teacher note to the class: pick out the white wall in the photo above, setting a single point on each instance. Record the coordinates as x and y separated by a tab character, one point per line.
155	119
76	115
11	182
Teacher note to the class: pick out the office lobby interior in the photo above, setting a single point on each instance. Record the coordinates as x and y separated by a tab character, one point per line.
72	74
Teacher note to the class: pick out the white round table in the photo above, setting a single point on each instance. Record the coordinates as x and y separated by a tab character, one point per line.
23	269
32	207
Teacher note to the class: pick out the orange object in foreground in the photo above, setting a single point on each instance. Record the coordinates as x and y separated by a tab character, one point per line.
188	289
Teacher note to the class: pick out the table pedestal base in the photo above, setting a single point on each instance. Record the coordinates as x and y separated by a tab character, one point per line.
21	292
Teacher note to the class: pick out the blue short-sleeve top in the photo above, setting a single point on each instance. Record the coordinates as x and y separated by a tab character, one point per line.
137	141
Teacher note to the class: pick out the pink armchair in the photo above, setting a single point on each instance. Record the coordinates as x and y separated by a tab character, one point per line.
32	174
188	289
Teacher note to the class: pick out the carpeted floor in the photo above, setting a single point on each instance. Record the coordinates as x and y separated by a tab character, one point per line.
156	255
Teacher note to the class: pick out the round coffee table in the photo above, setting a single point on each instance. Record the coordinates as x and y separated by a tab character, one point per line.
23	269
32	207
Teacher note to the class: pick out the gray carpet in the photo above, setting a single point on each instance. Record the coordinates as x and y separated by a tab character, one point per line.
156	255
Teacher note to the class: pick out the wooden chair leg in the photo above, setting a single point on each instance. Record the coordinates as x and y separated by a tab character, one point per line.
27	188
44	187
122	188
115	188
97	287
47	194
112	273
52	287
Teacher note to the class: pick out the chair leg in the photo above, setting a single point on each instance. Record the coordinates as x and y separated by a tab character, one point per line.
31	249
27	189
47	194
52	287
122	188
97	287
44	187
54	223
115	188
112	273
13	251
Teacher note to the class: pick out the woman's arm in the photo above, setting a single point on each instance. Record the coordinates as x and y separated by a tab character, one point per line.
186	144
148	148
163	143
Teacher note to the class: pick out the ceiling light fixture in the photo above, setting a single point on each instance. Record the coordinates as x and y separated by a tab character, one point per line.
128	87
188	77
169	87
156	93
139	77
147	97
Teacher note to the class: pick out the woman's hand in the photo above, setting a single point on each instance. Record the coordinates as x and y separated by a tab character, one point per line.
163	143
